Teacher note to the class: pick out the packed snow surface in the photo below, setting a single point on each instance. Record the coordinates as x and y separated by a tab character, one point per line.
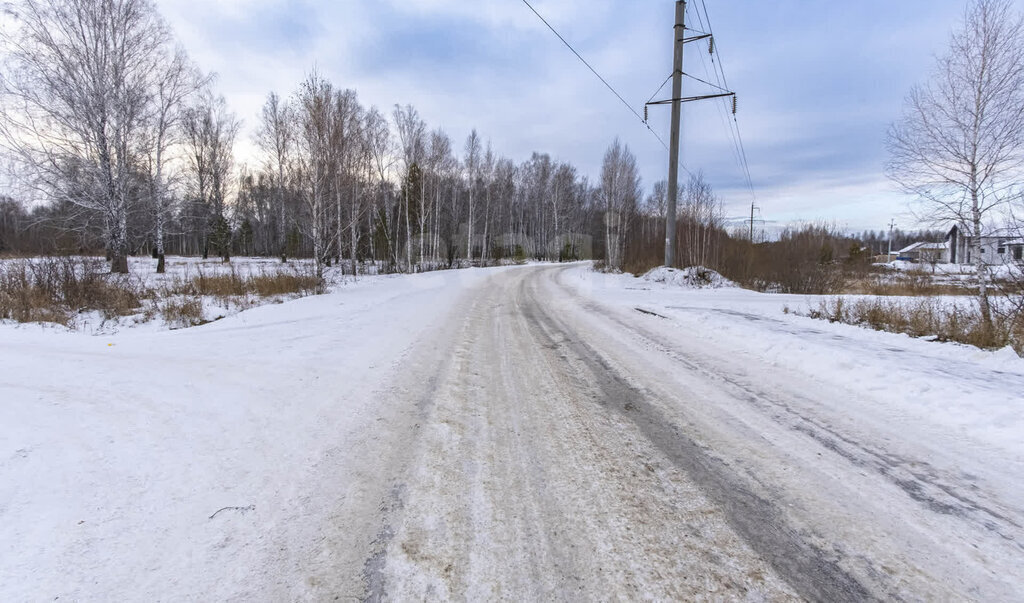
537	432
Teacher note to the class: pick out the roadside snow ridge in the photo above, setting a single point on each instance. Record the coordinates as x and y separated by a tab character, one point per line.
693	277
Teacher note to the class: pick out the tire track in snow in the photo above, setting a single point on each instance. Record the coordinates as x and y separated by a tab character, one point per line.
526	489
814	573
947	536
917	478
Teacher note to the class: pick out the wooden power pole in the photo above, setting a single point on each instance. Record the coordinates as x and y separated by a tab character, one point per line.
673	152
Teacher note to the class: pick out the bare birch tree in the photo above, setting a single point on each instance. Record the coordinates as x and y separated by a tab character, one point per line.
377	139
960	143
472	164
361	168
317	146
440	165
620	192
702	221
76	93
276	139
412	138
177	80
210	132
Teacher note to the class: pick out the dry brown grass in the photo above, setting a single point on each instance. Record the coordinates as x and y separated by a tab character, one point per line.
56	289
264	284
905	284
182	312
926	317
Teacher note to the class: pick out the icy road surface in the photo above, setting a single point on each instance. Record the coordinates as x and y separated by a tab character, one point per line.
535	433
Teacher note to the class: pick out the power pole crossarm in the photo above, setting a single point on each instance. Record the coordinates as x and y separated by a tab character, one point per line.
673	152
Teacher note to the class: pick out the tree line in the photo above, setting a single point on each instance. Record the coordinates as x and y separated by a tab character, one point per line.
119	140
121	145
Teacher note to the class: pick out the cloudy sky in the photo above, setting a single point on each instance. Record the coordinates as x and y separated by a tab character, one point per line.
817	82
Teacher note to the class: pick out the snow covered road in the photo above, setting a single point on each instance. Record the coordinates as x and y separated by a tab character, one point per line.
529	433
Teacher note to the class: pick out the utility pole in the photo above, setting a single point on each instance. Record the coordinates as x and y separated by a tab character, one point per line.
751	221
888	256
673	152
679	31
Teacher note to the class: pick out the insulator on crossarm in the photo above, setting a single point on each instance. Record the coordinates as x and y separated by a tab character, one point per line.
711	46
645	113
734	104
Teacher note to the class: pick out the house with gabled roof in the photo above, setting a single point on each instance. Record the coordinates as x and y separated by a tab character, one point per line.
931	253
1001	247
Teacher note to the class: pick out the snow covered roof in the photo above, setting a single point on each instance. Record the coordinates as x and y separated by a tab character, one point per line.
923	246
988	234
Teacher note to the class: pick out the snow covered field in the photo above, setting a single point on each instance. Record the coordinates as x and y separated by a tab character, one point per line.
526	432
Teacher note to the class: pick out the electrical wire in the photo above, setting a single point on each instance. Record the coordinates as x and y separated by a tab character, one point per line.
720	71
693	77
719	75
604	81
721	108
584	61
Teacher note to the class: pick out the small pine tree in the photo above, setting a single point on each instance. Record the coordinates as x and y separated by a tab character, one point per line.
220	237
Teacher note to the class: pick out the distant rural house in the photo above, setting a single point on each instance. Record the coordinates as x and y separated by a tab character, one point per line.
996	249
924	252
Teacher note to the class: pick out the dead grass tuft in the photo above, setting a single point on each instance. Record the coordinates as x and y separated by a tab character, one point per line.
926	317
56	289
905	284
264	284
182	312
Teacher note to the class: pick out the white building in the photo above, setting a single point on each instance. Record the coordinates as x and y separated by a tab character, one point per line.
927	253
996	249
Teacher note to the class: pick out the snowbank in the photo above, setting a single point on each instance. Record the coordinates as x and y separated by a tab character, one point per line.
950	387
694	277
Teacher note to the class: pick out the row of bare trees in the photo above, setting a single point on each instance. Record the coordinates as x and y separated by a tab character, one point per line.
108	122
351	184
700	226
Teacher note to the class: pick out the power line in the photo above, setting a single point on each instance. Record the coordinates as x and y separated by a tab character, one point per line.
722	108
584	61
604	81
720	65
723	111
719	75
